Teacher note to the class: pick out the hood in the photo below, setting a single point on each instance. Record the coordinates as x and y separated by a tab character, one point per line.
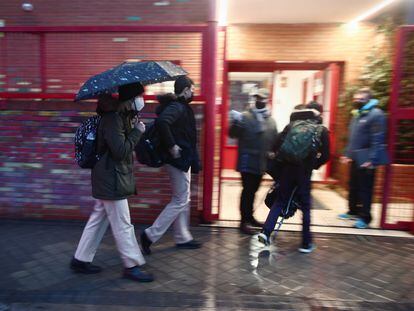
106	103
164	101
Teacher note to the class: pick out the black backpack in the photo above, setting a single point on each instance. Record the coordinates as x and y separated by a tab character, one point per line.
302	139
148	150
85	142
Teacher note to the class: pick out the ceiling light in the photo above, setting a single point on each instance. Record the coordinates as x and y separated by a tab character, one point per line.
222	14
372	11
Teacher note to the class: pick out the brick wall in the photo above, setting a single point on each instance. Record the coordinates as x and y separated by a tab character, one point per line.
302	42
307	42
103	12
38	175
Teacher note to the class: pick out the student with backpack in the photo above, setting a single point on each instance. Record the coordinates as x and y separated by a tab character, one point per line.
301	147
176	126
112	182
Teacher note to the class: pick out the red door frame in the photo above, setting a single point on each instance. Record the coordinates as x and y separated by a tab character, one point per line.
271	66
396	113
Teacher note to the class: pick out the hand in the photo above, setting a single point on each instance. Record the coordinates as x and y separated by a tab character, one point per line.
175	151
367	165
345	160
271	155
140	126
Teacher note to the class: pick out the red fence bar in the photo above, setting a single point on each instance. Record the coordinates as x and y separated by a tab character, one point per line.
396	113
76	29
208	87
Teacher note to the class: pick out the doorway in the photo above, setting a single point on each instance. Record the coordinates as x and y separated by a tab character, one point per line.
289	84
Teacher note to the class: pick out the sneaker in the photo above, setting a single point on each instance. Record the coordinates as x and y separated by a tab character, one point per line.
360	224
145	243
347	216
306	249
193	244
263	238
84	267
138	274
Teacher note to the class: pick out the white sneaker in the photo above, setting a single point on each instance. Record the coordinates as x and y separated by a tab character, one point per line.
307	250
263	238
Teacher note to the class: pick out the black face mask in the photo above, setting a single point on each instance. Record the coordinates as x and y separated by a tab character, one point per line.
260	104
359	104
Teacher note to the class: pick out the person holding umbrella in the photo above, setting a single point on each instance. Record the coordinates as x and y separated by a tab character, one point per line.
112	182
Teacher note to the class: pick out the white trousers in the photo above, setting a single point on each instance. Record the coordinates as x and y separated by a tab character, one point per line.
177	211
115	213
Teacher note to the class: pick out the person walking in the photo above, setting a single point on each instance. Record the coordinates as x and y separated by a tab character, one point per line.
295	178
176	126
112	182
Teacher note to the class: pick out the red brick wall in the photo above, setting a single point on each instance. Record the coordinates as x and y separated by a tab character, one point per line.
103	12
38	175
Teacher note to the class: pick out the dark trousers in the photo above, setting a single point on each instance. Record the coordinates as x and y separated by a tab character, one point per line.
251	183
361	186
291	177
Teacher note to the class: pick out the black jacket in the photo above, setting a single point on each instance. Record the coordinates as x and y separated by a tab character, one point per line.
255	140
177	126
113	176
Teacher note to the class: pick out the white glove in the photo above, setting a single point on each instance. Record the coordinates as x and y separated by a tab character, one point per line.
235	115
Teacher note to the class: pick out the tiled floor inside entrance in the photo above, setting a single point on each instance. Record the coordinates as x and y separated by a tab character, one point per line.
327	204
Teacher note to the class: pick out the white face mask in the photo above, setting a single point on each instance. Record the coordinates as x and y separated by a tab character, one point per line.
138	103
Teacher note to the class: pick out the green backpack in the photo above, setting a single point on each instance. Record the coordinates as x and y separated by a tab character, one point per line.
302	139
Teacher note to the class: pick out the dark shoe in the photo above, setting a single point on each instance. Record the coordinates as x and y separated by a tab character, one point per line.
138	274
84	267
256	223
246	229
193	244
145	243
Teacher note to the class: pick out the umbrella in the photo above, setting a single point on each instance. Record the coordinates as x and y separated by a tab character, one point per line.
147	72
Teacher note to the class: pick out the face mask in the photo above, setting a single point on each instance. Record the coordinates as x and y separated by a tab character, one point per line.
260	104
138	104
359	104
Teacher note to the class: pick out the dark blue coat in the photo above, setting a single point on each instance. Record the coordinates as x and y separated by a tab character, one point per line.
367	131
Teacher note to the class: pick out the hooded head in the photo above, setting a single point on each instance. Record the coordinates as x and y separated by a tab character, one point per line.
107	103
130	91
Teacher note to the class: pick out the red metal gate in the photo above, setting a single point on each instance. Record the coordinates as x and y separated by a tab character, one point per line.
398	195
49	63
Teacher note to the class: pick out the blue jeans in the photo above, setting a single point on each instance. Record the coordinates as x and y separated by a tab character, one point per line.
291	177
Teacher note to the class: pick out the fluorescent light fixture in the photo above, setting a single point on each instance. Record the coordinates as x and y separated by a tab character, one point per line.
222	14
162	3
372	11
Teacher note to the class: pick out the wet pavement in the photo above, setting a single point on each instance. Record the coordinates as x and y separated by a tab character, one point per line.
231	272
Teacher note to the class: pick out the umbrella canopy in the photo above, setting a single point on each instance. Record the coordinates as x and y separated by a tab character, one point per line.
129	72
